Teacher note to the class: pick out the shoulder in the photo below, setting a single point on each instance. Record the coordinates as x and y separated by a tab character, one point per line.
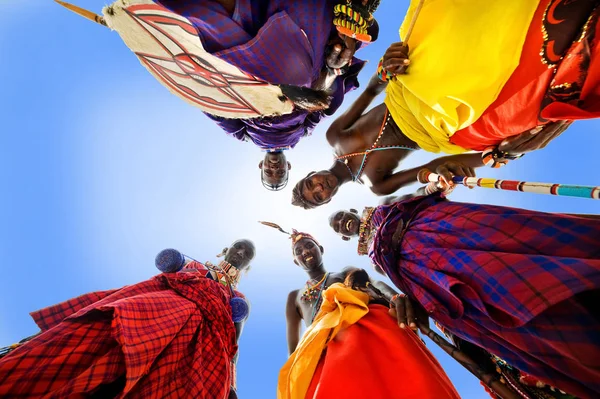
293	297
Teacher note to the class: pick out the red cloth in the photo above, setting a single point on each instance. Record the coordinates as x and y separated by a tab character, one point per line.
168	337
545	86
374	358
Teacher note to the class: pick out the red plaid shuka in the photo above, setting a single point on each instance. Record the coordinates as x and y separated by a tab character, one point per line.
168	337
523	285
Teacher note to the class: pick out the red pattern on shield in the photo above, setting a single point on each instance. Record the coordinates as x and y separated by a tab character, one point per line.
184	66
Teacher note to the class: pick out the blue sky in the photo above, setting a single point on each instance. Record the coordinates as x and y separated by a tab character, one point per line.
101	168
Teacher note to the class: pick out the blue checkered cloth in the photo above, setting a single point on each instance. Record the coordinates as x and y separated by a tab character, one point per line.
523	285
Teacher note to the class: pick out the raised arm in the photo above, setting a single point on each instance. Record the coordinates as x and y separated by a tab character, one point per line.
356	110
294	322
459	165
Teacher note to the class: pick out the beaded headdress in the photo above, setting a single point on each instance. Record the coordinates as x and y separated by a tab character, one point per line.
295	235
356	20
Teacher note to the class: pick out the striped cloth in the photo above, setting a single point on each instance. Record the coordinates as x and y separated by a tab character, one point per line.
170	336
279	41
523	285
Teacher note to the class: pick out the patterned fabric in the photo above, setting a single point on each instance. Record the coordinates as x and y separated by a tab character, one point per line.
558	77
514	282
170	336
279	41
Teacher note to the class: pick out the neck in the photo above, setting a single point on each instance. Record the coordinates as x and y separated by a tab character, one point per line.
317	273
341	172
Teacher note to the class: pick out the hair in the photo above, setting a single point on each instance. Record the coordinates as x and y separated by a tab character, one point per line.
356	278
306	98
299	200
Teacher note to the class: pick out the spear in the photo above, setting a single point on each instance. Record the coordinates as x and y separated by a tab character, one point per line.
425	176
83	12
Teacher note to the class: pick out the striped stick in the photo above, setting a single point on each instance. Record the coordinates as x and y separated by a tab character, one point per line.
425	176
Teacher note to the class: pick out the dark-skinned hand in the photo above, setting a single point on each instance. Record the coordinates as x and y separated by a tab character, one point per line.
408	313
341	54
397	237
395	59
534	139
449	169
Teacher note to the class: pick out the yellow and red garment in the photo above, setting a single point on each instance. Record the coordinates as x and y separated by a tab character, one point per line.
350	350
479	77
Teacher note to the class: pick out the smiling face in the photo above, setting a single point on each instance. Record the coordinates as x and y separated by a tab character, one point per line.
308	254
274	170
318	187
240	254
346	224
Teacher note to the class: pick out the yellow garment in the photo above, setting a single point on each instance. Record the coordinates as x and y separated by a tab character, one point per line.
462	53
342	307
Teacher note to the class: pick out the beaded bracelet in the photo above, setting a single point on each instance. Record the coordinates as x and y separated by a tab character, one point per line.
382	73
494	158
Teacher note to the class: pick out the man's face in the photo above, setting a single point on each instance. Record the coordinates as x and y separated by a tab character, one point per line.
307	254
340	50
240	254
319	187
274	169
345	223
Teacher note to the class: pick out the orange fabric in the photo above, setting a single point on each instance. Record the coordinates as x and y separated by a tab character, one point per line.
374	358
518	106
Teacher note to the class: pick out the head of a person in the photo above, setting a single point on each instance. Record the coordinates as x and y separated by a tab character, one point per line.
356	278
308	253
274	171
316	189
350	33
345	223
240	254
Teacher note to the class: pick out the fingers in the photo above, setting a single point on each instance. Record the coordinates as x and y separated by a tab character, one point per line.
395	59
400	311
410	314
445	175
334	55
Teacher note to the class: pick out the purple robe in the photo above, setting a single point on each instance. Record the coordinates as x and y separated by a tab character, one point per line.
279	41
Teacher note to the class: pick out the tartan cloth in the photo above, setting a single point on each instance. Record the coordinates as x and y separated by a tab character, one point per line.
279	41
508	280
167	337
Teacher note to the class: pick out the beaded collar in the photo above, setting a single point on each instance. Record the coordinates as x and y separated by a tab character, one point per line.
365	232
227	274
313	289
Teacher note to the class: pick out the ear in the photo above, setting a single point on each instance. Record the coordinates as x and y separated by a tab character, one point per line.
260	165
223	252
322	250
289	166
296	262
345	238
353	211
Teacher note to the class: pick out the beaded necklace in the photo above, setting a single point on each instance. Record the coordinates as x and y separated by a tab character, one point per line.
346	158
227	274
317	304
365	232
312	291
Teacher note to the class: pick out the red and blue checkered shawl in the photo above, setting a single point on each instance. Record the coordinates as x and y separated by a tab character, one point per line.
279	41
509	280
168	337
